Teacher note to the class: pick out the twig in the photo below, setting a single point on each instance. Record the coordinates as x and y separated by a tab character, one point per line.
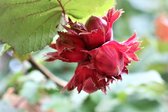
63	10
47	73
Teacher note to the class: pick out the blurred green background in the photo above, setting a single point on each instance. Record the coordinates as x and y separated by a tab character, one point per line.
144	89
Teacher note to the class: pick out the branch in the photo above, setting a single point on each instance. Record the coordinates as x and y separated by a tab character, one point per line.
47	73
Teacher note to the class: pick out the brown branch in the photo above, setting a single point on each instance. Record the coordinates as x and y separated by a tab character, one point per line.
47	73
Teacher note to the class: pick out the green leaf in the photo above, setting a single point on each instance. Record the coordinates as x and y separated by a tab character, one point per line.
30	25
83	8
108	4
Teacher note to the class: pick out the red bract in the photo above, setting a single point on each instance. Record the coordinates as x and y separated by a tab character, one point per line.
99	30
108	58
69	48
106	64
100	59
80	37
87	78
113	57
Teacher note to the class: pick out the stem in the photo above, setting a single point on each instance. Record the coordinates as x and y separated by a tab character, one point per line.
63	11
47	73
